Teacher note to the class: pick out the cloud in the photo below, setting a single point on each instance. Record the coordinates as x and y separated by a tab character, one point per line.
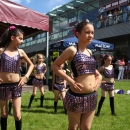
16	1
28	1
19	1
56	4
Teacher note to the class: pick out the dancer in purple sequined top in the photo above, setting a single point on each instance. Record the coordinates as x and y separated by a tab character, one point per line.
39	76
107	84
108	73
58	87
10	81
81	99
9	64
83	64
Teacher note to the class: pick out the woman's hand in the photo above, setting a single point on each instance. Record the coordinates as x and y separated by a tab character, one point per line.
23	80
98	80
44	77
76	86
97	84
103	81
1	80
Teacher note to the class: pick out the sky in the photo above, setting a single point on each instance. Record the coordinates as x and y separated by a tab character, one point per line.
42	6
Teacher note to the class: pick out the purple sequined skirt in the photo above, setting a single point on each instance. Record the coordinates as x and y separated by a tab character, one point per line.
81	103
107	86
60	87
37	82
10	91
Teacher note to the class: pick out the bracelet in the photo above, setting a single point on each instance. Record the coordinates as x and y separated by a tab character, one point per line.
26	77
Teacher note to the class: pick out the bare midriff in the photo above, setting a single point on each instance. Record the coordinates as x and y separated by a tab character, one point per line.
60	82
109	80
87	81
39	76
9	77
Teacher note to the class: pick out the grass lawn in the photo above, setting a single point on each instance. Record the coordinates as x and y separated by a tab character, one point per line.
44	119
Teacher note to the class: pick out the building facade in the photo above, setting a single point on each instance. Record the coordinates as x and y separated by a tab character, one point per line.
111	20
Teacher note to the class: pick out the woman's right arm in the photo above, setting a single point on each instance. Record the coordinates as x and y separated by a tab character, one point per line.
53	80
101	70
1	50
68	54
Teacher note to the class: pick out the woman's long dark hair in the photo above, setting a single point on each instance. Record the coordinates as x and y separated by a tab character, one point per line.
104	58
6	36
80	26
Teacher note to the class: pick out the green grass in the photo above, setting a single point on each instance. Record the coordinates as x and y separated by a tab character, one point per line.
44	119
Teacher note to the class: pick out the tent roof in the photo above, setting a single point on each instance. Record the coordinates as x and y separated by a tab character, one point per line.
26	19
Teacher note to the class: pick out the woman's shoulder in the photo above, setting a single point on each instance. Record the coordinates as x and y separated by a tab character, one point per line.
1	50
21	52
69	53
43	64
89	51
72	48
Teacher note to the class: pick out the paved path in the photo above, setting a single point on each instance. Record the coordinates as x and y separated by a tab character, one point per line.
29	88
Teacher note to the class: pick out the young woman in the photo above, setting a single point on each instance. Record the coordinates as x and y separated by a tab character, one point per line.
81	99
107	84
40	69
10	87
58	87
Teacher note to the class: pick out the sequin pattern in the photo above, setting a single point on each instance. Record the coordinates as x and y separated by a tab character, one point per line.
109	73
107	86
39	69
58	79
60	87
10	91
37	82
80	104
9	64
83	64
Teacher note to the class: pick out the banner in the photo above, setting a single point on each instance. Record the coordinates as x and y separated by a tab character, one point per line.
113	5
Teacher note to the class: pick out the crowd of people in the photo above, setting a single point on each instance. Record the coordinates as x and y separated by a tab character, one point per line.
80	100
114	16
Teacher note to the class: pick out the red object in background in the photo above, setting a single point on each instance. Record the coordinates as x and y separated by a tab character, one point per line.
74	32
15	14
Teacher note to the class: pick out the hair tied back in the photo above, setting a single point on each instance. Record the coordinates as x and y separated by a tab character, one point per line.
12	28
87	20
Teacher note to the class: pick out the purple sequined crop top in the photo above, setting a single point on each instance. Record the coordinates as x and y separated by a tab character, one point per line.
108	73
9	64
83	64
58	79
40	69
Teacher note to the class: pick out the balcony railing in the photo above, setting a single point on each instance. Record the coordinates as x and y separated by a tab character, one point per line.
98	23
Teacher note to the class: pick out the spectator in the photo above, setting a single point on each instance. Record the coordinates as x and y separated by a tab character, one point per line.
110	19
119	13
128	11
121	64
115	17
99	20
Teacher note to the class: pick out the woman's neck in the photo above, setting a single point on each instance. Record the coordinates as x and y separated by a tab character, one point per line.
39	63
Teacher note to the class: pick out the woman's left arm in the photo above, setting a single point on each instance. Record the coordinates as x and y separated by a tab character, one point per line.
44	71
98	80
30	67
45	68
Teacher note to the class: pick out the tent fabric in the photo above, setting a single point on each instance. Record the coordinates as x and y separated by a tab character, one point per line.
15	14
95	44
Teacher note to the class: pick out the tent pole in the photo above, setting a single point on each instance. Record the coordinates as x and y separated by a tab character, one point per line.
47	57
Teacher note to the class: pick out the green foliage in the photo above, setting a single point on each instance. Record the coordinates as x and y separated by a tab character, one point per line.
44	119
